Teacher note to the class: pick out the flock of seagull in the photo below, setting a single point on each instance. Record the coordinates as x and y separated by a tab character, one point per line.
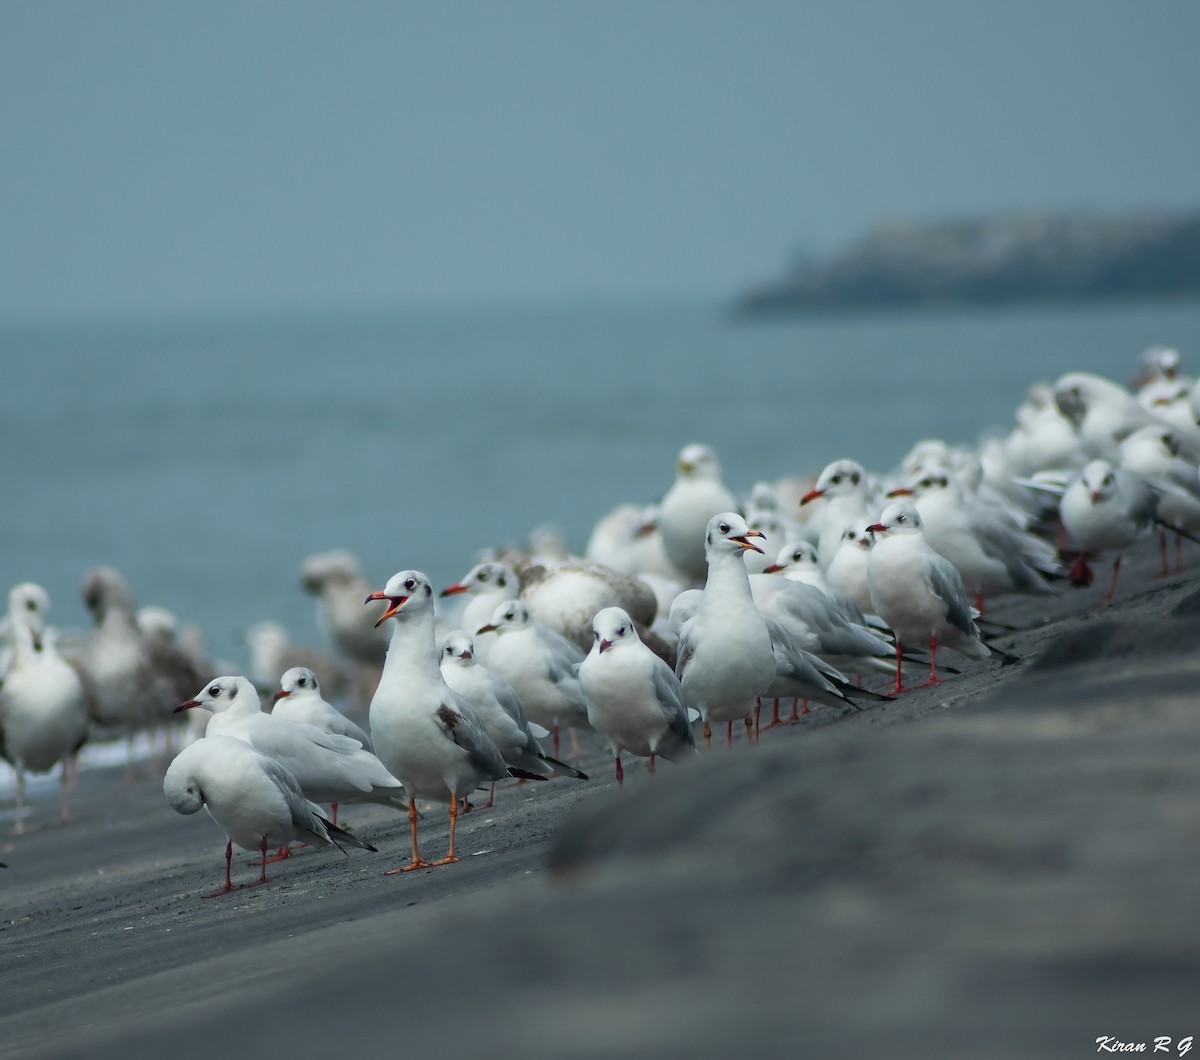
676	615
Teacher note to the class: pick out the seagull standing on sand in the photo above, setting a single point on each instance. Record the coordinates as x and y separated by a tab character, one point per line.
725	660
695	497
499	708
1104	509
424	731
251	796
43	709
633	698
328	767
540	664
918	592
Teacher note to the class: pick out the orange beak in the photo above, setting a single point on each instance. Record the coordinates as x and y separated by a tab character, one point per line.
749	544
457	587
900	491
811	495
394	602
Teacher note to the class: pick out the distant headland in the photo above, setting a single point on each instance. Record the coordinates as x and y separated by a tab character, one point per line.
1013	259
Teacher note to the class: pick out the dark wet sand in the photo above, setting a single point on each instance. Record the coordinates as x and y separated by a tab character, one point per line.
1003	865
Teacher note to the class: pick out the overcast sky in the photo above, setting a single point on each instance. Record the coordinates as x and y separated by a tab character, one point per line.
231	155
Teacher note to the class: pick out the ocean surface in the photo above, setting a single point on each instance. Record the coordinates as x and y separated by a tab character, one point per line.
206	459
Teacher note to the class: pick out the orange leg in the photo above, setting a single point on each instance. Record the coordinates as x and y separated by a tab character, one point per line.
417	863
707	736
453	824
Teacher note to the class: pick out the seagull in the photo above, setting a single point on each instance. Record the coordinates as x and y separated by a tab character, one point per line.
843	484
1102	412
424	731
918	592
43	705
566	598
724	659
299	699
1158	454
990	551
489	584
633	698
126	688
798	561
540	664
499	708
251	796
1106	508
328	767
695	497
847	570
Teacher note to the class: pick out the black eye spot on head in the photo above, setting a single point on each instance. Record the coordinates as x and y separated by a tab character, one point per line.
428	590
500	581
854	479
233	692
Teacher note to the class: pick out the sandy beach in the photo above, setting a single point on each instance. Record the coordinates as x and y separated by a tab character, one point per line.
1001	865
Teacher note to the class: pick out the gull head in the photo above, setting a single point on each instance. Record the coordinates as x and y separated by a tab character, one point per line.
729	534
407	593
28	605
612	627
795	555
298	681
842	478
508	616
1098	480
698	461
458	648
488	575
899	518
224	693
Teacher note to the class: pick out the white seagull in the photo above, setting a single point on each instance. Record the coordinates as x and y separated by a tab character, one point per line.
695	497
426	733
918	592
843	485
499	708
251	796
328	767
540	664
724	658
43	707
633	698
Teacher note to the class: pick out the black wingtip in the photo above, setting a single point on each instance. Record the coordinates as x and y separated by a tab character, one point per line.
522	774
562	767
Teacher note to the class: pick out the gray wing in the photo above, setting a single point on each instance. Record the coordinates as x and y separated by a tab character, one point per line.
1141	495
670	695
301	810
1011	546
460	722
562	657
947	586
684	650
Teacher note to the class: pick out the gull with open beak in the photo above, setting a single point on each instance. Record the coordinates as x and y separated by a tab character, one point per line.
426	733
724	659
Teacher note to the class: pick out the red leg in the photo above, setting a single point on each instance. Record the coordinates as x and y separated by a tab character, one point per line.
620	773
899	675
651	766
491	796
228	883
1112	589
933	677
979	602
1080	573
1178	554
775	719
757	714
749	728
803	707
707	736
556	755
333	806
262	878
729	734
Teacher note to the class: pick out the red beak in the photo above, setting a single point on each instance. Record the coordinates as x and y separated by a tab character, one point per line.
279	695
454	589
811	495
773	568
604	644
877	528
187	704
489	628
1095	496
900	491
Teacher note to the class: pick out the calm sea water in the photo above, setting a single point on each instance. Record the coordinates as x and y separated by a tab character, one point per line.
205	460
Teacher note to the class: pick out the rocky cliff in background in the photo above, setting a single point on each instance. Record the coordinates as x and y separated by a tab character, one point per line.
1013	259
